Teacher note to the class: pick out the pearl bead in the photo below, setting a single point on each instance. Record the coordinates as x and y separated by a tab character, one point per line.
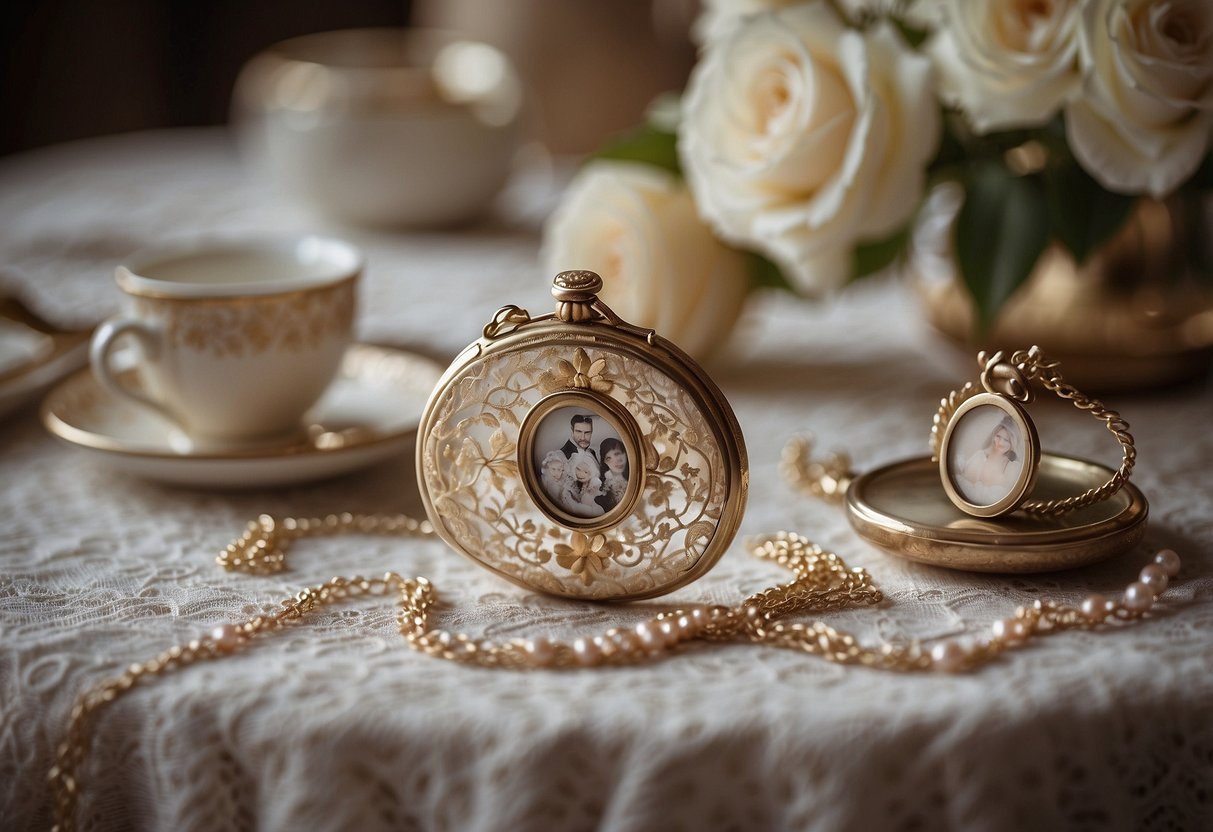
227	637
1011	630
699	616
649	634
1169	561
539	651
670	634
586	651
1153	576
948	656
687	626
1138	597
626	640
1095	607
607	647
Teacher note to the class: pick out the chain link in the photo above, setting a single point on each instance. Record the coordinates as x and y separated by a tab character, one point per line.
821	582
1035	367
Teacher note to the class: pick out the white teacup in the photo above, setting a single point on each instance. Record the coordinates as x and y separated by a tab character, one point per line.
235	340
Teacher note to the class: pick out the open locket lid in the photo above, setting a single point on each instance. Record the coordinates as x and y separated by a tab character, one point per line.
903	508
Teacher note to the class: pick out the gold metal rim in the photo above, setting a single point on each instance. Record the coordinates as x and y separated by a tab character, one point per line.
986	550
625	425
64	429
1031	465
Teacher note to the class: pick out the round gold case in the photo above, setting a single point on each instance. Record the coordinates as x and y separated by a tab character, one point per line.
578	455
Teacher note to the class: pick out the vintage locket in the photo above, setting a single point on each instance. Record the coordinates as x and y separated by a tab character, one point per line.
903	508
579	455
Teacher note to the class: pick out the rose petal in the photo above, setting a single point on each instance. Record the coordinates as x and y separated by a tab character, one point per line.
1100	147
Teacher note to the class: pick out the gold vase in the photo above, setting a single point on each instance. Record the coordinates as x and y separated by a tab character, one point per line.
1135	315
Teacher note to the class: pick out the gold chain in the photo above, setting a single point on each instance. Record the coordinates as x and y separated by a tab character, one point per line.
1022	368
821	582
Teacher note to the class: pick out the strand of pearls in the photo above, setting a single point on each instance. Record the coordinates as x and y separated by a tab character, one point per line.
1045	617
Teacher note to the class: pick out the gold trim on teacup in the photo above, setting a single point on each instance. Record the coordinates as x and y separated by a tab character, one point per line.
122	277
291	322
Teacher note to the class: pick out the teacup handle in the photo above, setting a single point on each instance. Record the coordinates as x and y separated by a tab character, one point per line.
100	353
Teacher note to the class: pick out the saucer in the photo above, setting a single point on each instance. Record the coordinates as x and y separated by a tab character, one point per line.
370	413
34	353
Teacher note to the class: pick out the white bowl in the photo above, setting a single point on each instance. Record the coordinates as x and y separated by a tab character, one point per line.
385	127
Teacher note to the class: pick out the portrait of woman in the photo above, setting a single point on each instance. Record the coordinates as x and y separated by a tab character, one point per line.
616	468
988	473
582	487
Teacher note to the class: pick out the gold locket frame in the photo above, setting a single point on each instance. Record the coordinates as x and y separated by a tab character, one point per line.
1029	467
488	458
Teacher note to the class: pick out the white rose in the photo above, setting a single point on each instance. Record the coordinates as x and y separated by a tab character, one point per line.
801	137
661	267
1145	119
719	17
1007	63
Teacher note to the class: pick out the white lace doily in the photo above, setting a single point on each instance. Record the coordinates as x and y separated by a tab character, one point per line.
336	724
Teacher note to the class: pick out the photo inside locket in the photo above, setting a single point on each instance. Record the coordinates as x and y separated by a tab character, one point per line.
985	455
581	462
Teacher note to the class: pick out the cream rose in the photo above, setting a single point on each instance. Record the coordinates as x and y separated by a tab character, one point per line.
719	17
801	137
1007	63
661	267
1145	119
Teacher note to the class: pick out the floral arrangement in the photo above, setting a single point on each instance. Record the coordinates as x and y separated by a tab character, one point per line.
810	133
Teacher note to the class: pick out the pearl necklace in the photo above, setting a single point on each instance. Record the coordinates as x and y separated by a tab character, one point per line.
822	581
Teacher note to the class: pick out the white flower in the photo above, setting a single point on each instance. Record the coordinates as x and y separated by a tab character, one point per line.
1145	119
1008	63
719	17
801	137
662	268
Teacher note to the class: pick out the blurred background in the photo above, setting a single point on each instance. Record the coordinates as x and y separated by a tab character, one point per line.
74	69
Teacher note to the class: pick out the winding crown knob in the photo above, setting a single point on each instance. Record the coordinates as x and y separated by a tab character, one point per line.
575	293
579	286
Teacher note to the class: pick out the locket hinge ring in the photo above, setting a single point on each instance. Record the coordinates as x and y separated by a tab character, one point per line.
1002	378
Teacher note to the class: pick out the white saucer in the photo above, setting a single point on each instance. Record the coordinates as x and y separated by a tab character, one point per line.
34	354
369	413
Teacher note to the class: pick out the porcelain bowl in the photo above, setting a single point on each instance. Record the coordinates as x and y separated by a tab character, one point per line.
383	127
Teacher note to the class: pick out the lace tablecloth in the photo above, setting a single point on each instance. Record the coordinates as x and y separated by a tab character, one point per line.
336	724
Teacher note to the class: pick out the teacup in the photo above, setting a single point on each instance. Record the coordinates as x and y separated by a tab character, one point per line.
234	340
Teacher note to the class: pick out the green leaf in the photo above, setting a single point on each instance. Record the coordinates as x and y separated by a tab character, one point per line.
952	144
1001	230
764	274
1083	214
869	258
646	145
913	35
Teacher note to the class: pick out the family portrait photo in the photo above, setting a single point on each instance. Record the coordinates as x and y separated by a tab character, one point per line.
582	463
986	455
